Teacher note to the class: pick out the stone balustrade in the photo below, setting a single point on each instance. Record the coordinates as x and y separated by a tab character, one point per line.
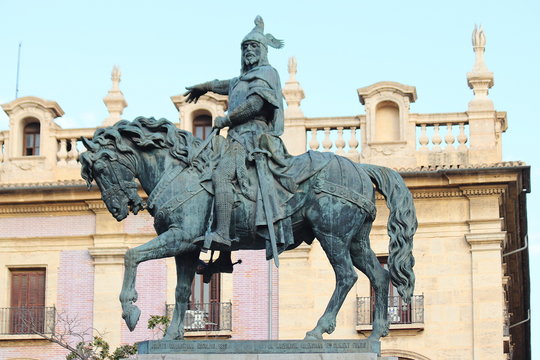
69	145
338	134
442	132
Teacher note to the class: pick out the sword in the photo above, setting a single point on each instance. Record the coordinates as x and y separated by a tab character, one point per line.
260	164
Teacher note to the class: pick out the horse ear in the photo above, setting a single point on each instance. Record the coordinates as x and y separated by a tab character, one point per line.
89	145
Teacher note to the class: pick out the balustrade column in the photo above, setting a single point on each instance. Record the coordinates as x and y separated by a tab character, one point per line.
449	139
462	138
314	142
424	139
436	139
353	141
62	153
327	143
340	142
73	153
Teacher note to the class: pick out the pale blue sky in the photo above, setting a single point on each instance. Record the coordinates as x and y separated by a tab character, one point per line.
69	48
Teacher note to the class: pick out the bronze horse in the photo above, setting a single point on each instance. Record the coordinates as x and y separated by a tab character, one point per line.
334	204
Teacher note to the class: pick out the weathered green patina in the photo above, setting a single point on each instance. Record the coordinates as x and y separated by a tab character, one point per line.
314	195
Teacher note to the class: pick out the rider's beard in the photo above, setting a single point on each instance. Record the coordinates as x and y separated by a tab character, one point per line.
251	59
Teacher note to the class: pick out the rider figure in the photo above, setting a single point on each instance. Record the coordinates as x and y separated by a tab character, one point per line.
254	118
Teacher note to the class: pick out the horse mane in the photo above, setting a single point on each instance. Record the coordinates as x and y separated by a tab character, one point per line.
145	133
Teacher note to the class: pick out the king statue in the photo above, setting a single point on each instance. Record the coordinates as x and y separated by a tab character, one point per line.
254	151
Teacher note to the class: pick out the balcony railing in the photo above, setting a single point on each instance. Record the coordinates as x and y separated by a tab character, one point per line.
398	311
206	316
27	320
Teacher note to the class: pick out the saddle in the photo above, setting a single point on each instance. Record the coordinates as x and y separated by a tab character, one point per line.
287	177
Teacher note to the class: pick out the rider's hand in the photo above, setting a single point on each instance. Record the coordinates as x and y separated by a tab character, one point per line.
194	92
222	121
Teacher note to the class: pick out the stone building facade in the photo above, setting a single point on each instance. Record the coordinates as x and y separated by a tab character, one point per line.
61	252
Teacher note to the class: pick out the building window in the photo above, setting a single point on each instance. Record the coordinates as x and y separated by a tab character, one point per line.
398	311
202	126
204	305
31	139
27	312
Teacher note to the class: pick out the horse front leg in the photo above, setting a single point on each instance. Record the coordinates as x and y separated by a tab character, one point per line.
166	244
185	271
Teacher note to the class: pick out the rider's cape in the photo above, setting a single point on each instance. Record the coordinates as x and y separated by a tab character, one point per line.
262	134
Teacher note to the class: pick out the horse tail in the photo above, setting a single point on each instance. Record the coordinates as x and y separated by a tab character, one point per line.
402	226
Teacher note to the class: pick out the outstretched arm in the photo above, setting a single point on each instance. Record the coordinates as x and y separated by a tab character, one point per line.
244	112
194	92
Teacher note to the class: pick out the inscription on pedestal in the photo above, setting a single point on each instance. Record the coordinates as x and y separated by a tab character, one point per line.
256	346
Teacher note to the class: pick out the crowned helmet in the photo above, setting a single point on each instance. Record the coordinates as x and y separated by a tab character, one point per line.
257	34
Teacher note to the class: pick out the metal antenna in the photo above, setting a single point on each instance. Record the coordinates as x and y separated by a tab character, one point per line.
18	66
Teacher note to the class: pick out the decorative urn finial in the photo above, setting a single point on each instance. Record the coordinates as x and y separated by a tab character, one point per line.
114	101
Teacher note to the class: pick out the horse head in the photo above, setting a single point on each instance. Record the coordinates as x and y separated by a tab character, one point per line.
115	177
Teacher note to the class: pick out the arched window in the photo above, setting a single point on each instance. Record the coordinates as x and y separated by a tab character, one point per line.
387	122
31	140
202	126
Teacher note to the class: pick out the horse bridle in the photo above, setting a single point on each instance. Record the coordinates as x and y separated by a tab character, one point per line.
118	184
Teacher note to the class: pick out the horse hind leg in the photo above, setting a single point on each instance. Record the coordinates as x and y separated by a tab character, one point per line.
337	251
366	261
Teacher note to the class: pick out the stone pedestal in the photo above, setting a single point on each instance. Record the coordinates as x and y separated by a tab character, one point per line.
259	350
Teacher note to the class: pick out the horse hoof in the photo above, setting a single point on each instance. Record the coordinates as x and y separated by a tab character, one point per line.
312	336
131	316
168	336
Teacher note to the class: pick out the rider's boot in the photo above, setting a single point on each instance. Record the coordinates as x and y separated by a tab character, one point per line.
220	238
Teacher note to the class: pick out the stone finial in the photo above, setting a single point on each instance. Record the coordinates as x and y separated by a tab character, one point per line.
293	92
292	68
114	101
480	79
479	47
115	77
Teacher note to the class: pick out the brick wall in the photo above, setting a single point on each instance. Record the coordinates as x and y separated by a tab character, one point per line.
75	298
250	297
151	287
142	223
47	226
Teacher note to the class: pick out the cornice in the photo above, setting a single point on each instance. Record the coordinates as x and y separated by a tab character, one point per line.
43	185
108	255
96	205
483	191
455	193
43	208
438	168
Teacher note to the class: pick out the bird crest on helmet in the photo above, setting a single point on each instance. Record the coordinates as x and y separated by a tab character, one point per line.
257	34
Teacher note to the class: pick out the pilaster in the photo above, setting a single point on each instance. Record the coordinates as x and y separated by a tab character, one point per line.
108	256
486	240
108	272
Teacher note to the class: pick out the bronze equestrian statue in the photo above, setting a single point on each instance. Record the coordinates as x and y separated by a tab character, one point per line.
247	192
